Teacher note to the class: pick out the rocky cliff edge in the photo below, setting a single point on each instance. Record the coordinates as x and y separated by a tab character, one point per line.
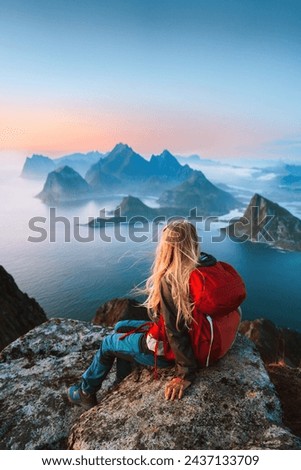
232	405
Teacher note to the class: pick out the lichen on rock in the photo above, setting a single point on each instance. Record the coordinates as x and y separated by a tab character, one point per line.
232	405
35	371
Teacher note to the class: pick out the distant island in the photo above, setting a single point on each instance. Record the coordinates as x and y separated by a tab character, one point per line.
198	192
39	166
178	187
265	221
63	185
132	210
125	170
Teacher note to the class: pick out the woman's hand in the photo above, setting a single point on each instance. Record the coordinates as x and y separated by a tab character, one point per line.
175	388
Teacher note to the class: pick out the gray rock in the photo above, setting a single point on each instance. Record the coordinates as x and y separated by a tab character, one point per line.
35	371
275	345
232	405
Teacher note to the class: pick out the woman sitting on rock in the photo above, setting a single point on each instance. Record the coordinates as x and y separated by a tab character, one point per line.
183	298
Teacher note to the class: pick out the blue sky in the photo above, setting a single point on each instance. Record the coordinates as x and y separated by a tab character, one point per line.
219	77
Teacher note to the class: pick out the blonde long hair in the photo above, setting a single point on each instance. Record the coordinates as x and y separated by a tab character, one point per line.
177	255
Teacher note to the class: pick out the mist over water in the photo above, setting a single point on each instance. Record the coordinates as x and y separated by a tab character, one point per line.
71	279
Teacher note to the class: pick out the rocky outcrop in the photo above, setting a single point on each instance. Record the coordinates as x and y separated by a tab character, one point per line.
64	185
275	345
287	381
35	371
18	312
232	405
280	349
119	309
198	192
266	222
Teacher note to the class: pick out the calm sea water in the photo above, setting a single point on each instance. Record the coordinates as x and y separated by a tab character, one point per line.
72	279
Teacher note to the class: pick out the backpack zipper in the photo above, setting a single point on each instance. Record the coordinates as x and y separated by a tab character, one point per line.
211	338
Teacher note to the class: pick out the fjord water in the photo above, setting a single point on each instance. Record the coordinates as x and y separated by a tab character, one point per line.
71	279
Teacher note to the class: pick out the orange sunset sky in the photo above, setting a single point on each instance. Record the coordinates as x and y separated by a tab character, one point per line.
220	79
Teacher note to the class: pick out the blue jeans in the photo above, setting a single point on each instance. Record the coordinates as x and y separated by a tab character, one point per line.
128	348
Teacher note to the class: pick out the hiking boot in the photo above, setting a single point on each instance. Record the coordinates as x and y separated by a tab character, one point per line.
78	397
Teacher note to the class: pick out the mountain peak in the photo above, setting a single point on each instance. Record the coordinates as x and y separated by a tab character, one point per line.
266	222
266	205
122	162
166	154
37	166
131	201
121	148
258	197
122	152
64	184
65	170
36	156
165	161
198	192
131	206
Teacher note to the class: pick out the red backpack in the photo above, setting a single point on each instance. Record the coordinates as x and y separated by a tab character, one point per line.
217	292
